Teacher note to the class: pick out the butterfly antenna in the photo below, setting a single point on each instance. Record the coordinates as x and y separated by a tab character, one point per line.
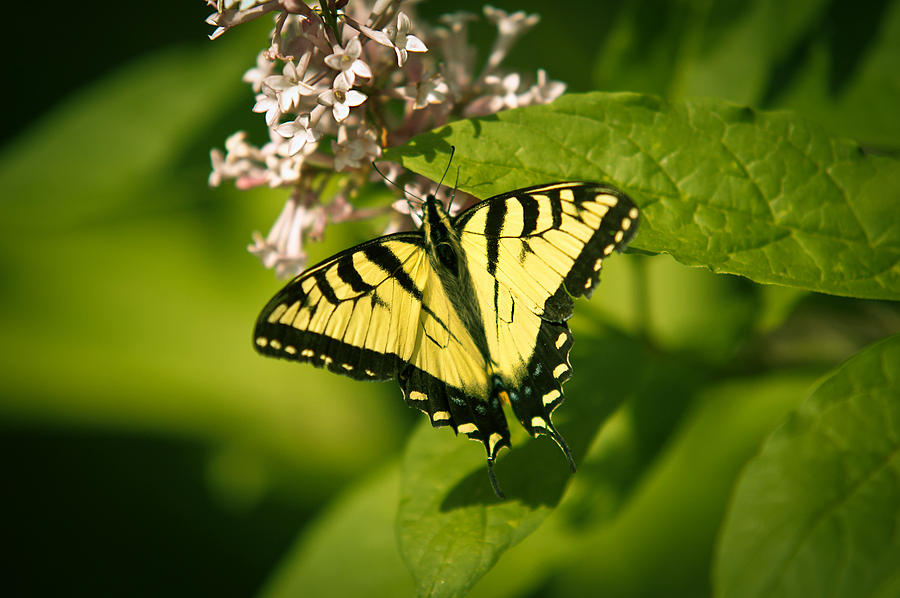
406	193
449	162
453	193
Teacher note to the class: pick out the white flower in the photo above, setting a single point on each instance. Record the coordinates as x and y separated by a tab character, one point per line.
397	36
350	153
282	248
458	20
341	98
241	162
505	92
255	75
299	132
411	204
268	103
347	61
289	87
430	91
510	27
543	91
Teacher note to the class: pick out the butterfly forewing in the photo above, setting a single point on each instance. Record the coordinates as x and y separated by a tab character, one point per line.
547	243
376	312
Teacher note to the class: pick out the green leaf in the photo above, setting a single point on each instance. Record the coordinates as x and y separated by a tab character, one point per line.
769	196
451	528
628	528
351	550
816	512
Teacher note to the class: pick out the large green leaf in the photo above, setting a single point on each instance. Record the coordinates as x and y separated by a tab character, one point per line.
648	530
816	512
769	196
451	527
350	550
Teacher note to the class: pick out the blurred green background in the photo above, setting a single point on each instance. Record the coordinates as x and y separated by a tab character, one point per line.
148	450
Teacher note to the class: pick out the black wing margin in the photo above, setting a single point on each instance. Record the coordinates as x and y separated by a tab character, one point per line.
341	314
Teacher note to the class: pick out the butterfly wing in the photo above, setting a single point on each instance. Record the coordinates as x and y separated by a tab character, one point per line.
529	253
378	311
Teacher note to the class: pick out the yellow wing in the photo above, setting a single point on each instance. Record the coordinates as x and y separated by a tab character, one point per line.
529	253
377	311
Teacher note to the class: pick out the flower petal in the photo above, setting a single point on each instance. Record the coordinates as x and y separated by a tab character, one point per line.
326	98
288	129
355	98
341	111
401	56
361	68
377	36
414	44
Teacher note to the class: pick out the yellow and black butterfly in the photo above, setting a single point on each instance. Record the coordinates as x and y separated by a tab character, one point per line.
466	312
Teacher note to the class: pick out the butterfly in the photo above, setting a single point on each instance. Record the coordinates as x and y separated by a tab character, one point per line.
465	313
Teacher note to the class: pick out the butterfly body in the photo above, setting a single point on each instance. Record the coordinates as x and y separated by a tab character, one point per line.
466	312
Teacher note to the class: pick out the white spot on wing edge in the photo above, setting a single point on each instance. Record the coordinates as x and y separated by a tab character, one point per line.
275	344
598	264
538	422
619	236
414	395
626	223
633	213
550	397
347	366
609	248
290	350
307	352
561	340
492	442
440	416
467	428
559	371
262	341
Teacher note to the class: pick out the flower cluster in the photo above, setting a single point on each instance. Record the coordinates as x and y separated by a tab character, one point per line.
341	82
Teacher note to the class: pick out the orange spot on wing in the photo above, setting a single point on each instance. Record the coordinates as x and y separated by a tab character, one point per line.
503	396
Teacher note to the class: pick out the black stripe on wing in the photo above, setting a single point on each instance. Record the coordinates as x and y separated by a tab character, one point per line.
339	288
564	232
